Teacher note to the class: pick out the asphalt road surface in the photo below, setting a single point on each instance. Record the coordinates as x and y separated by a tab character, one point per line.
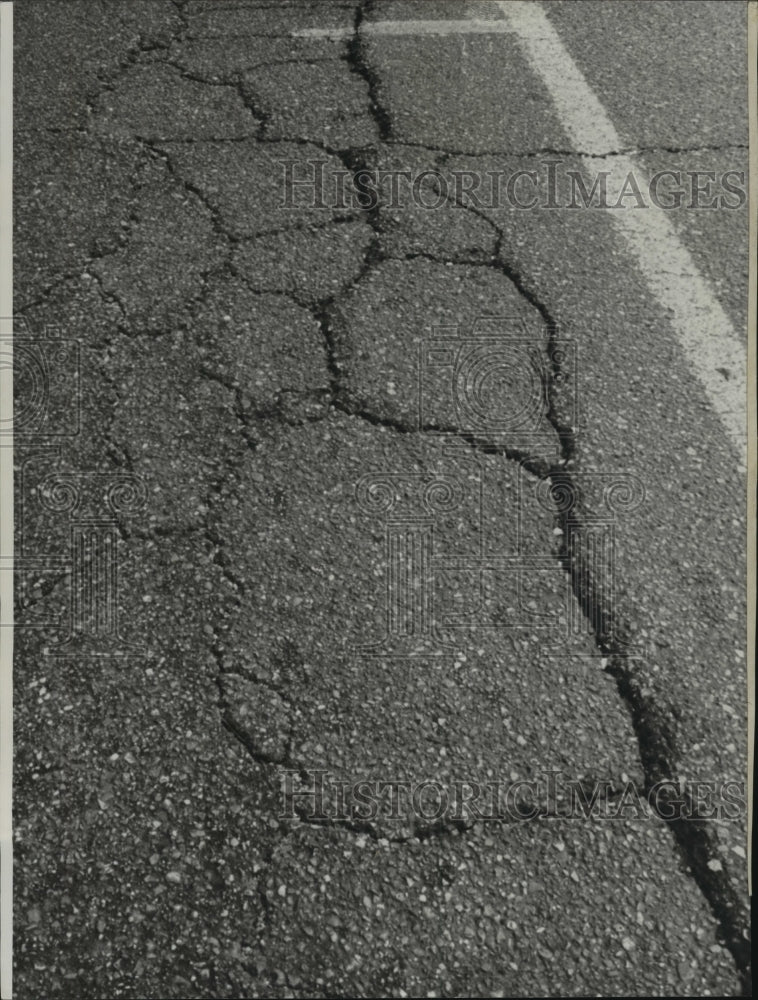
380	499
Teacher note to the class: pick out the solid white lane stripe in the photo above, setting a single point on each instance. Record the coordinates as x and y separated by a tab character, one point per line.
705	332
473	26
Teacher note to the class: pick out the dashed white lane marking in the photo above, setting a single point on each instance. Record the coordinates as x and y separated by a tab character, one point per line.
705	332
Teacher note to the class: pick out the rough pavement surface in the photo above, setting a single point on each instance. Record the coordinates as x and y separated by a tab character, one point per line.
246	417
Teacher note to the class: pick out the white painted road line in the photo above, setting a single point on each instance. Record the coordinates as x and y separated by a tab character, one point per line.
708	339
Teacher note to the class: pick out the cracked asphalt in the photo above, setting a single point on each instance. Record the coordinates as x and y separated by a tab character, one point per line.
326	562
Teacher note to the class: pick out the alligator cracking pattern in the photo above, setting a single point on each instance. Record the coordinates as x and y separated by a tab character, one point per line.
159	157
